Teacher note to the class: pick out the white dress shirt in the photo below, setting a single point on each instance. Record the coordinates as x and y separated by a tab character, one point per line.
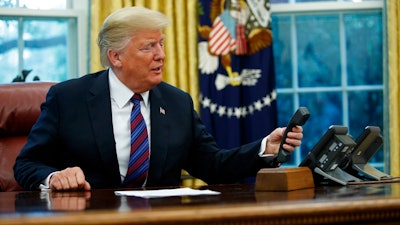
121	107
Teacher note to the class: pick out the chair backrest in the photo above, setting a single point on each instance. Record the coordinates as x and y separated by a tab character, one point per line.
19	109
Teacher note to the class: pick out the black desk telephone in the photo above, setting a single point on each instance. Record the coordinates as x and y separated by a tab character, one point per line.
368	143
337	157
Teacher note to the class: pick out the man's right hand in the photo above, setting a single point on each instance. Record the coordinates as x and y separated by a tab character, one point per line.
69	179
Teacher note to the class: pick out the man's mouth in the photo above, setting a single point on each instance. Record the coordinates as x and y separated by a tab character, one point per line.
157	69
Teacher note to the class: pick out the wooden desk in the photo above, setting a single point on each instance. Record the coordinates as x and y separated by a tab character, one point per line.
238	204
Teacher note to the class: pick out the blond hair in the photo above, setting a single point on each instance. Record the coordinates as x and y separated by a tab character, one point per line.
120	25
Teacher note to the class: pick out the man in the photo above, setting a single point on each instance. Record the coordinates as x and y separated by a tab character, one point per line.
82	138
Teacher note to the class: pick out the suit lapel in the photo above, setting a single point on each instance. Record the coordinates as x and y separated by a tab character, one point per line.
159	135
99	107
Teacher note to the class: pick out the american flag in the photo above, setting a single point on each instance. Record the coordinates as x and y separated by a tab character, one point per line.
162	111
220	40
241	112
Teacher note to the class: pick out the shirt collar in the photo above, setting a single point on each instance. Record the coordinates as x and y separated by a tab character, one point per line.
121	93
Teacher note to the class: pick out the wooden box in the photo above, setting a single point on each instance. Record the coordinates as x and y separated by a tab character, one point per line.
284	179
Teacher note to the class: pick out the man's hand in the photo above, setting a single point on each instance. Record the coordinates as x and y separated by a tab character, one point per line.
293	140
69	179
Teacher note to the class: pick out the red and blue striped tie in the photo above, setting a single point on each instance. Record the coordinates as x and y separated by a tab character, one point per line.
139	156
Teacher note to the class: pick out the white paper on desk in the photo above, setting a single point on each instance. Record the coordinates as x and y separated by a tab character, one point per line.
166	193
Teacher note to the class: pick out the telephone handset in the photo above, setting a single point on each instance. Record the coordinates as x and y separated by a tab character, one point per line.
299	118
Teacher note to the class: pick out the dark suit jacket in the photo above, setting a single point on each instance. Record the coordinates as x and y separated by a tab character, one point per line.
75	129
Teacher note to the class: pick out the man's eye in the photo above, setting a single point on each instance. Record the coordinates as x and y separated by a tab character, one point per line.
151	47
146	48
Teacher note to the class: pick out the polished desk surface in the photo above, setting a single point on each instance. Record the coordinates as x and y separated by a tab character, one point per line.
237	204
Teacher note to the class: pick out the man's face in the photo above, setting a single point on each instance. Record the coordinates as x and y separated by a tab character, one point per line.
141	61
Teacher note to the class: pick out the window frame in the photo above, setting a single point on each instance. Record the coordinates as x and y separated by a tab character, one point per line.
77	10
340	7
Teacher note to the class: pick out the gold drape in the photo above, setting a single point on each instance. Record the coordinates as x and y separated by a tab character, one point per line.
180	44
393	32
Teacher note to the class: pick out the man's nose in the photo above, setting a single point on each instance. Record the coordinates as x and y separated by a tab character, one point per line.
159	52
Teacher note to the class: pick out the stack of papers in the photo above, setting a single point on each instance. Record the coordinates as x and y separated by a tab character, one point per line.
166	193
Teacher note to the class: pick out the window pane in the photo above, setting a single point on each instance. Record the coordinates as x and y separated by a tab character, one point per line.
364	48
279	1
8	3
282	51
46	49
8	49
318	50
285	106
315	0
34	4
298	1
362	0
43	4
366	109
325	110
333	0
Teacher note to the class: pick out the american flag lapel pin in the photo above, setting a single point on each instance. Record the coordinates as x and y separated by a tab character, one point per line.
162	110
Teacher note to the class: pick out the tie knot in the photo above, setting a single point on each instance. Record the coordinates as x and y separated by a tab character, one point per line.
136	98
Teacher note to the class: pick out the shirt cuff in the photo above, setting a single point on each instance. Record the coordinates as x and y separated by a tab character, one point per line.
45	183
263	148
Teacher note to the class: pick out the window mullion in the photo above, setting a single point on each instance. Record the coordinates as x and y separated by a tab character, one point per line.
73	65
295	74
20	44
343	62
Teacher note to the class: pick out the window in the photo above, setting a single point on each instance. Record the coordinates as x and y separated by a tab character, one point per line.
329	57
46	44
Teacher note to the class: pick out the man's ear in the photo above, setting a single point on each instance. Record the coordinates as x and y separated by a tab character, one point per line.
114	58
